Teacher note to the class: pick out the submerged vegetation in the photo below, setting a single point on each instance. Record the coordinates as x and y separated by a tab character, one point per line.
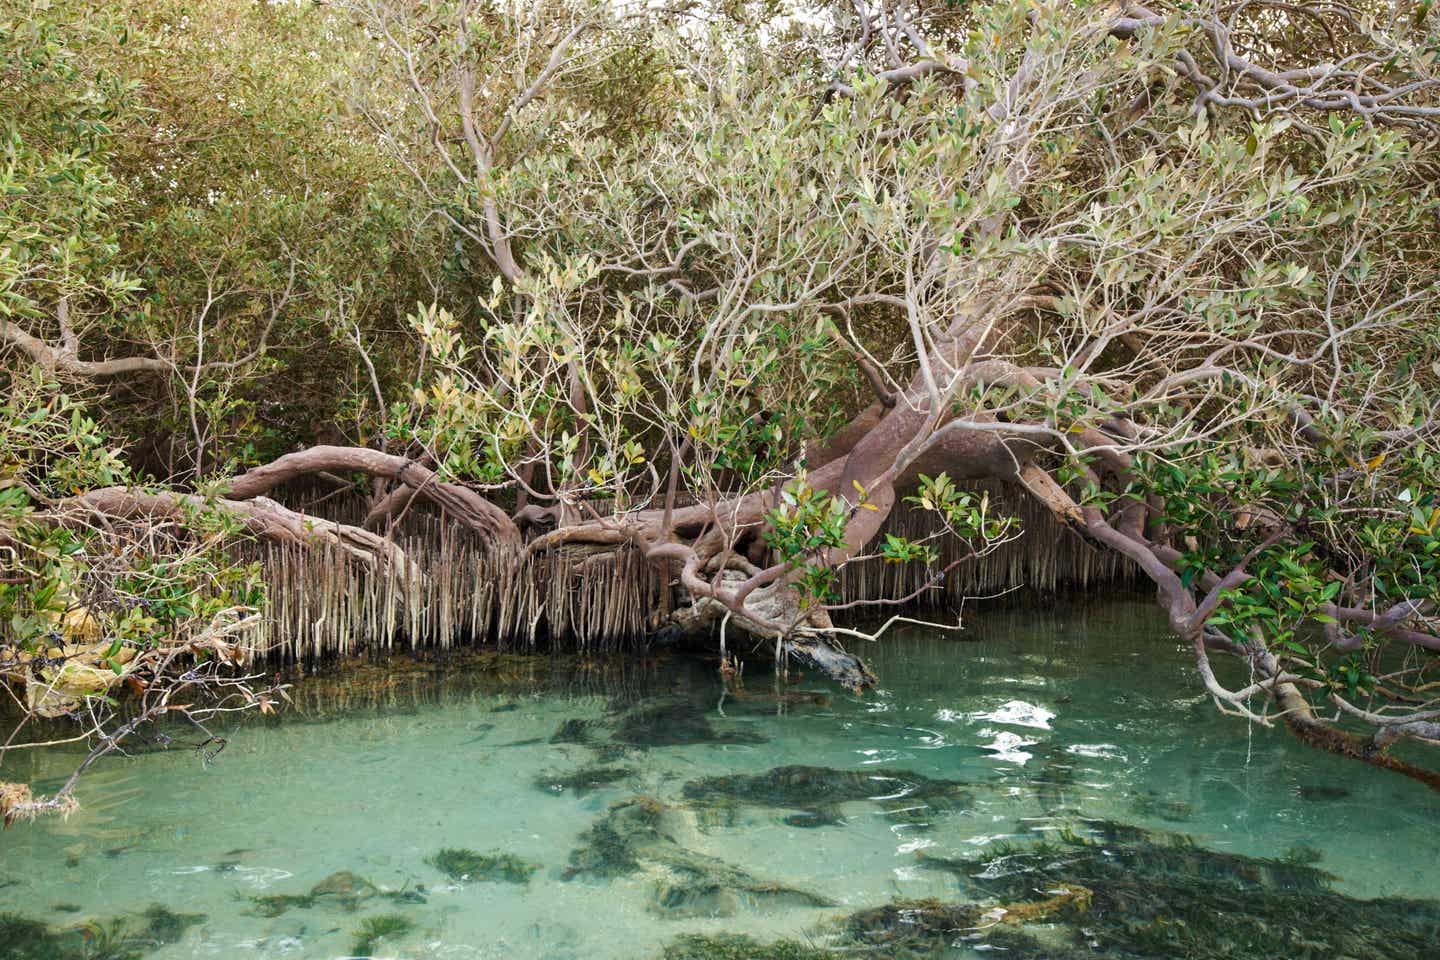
1067	888
461	864
1115	891
818	792
343	891
572	731
675	724
123	938
1162	896
373	930
583	780
641	835
165	926
733	946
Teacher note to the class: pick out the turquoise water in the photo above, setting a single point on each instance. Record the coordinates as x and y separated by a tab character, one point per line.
1027	724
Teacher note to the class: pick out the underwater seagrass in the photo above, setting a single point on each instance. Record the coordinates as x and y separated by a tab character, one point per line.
342	890
677	723
458	863
386	926
734	946
1115	892
572	731
900	930
817	793
163	925
121	938
642	835
1152	804
1156	895
583	780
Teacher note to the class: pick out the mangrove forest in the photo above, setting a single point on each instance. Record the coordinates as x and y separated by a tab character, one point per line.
719	479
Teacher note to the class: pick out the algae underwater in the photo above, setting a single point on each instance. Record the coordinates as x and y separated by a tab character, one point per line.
995	796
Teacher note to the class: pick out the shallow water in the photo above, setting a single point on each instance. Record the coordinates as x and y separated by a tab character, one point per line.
1045	720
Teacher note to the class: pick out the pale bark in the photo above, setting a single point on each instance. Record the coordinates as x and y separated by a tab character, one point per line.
465	506
261	516
64	360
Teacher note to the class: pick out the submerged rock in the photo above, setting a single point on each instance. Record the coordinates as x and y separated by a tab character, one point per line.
674	724
344	889
817	792
642	835
460	864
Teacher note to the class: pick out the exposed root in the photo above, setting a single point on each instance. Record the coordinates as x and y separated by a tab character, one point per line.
1311	730
17	803
827	656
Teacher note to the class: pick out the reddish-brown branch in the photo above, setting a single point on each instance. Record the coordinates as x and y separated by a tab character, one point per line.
464	505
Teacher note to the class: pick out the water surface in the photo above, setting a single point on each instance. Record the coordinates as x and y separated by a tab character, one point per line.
1024	723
